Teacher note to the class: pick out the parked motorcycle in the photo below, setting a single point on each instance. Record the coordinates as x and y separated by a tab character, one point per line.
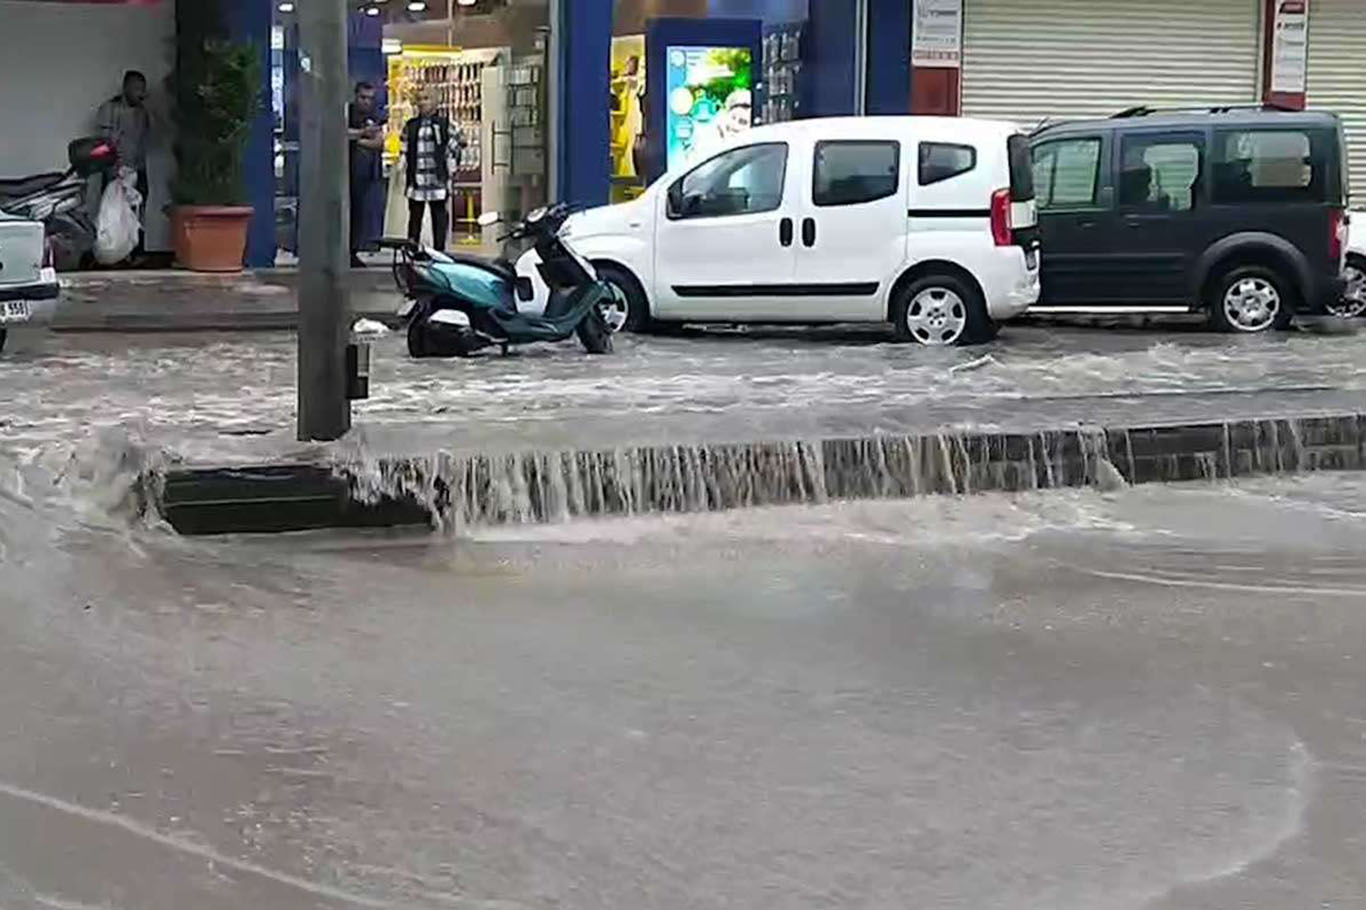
58	200
457	304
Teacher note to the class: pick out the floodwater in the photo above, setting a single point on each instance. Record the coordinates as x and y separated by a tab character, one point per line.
1070	699
1149	698
181	392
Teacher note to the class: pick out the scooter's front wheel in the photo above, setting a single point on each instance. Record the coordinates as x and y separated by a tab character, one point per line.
594	334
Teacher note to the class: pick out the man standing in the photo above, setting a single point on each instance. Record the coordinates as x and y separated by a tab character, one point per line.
366	132
431	147
123	120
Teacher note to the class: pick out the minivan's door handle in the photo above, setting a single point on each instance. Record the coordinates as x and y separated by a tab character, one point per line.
785	232
809	232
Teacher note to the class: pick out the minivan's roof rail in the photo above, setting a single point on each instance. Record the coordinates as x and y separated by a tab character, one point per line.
1143	110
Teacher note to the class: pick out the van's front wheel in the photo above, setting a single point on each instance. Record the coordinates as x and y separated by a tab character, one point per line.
941	310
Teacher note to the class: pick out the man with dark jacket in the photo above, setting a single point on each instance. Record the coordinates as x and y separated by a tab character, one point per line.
365	130
431	146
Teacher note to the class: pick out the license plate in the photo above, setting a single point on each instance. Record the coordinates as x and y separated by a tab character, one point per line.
15	311
1031	259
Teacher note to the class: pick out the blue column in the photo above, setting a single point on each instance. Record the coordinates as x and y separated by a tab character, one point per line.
584	125
365	60
829	72
889	57
250	20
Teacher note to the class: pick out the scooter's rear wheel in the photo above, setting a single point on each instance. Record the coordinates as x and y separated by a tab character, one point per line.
417	341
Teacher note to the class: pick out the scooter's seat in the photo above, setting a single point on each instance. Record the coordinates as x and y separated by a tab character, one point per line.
500	267
15	187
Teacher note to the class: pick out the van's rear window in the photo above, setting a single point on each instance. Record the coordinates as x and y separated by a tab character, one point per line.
1021	169
1274	165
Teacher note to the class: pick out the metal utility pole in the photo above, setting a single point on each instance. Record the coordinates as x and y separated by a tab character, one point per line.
324	255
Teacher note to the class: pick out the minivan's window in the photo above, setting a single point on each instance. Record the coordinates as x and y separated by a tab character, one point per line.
943	160
1067	173
854	172
1270	166
1160	172
742	181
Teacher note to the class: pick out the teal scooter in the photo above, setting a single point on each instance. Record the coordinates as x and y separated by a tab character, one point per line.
456	305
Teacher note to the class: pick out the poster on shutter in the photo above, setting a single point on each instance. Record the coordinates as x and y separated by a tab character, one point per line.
1290	47
937	33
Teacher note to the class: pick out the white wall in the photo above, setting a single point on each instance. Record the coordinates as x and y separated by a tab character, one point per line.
59	62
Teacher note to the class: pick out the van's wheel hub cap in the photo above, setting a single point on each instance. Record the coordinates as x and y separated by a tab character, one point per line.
615	309
937	316
1252	304
1353	302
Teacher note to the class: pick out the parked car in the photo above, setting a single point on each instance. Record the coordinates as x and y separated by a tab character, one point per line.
924	222
1240	213
1353	301
28	284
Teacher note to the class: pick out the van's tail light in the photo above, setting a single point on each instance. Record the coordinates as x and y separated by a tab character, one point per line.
47	252
1001	229
1337	239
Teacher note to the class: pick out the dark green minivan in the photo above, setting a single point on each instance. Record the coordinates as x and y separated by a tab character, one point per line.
1237	212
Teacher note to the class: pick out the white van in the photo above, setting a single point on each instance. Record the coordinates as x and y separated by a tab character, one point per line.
926	222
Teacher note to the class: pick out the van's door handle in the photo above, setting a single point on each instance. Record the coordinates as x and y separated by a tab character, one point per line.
785	232
1086	223
809	232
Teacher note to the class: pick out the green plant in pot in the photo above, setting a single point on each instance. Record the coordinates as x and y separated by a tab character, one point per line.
217	90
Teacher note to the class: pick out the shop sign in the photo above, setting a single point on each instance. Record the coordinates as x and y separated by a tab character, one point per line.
1290	47
937	33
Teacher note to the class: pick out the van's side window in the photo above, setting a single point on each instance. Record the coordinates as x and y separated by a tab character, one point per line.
1067	173
1269	166
741	181
942	160
854	172
1160	172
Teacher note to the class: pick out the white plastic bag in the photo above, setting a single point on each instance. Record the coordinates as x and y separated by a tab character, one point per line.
118	226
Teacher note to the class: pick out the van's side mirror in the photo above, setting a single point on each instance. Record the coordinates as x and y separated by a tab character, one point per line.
676	200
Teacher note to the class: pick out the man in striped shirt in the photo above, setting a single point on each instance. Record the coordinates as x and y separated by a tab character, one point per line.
432	152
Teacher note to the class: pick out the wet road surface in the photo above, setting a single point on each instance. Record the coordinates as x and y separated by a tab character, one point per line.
1153	698
207	397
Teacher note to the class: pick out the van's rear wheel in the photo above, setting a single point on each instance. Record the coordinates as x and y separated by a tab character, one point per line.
1249	299
941	310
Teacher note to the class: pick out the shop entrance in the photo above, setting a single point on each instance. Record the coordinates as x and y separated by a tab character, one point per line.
483	68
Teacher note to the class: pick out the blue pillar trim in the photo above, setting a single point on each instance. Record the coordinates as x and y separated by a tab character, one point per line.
889	57
250	20
584	125
829	74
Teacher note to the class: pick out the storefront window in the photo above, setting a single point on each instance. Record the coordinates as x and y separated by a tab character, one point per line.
713	85
481	71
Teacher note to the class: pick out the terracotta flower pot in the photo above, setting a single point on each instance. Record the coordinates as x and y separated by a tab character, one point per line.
210	238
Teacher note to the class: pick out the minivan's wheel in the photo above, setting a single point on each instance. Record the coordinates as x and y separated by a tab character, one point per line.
941	310
1353	302
1251	298
627	309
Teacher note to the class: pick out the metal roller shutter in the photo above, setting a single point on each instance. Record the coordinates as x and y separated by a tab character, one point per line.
1066	59
1337	75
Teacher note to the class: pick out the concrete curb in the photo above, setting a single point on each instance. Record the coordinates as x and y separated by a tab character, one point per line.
453	489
